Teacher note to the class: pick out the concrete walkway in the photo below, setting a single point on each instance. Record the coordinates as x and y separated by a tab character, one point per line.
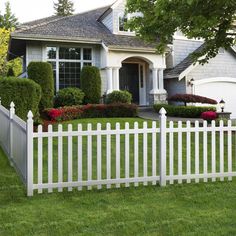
150	114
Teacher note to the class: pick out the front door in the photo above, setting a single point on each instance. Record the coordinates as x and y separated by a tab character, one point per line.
129	80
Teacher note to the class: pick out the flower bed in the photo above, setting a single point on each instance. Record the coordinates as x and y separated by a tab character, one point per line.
91	111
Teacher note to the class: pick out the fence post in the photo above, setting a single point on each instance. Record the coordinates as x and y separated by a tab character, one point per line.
11	115
162	161
30	150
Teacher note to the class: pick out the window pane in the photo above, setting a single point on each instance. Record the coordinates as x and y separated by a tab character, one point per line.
51	52
87	54
122	21
69	53
87	64
69	74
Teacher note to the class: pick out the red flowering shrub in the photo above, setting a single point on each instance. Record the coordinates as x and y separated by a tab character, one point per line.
91	111
190	98
209	115
63	113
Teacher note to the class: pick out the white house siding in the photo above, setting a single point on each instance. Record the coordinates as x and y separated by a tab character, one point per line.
119	10
108	21
34	52
182	48
223	65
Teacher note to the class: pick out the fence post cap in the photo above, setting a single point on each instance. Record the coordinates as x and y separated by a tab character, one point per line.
162	111
12	104
30	115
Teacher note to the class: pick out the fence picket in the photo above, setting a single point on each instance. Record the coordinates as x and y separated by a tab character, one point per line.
171	151
99	155
136	154
40	158
70	148
154	152
89	155
127	156
117	154
180	151
80	157
205	164
50	155
145	158
108	154
196	150
221	149
213	150
229	149
188	154
60	156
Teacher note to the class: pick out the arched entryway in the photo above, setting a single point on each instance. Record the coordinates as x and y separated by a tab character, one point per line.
134	77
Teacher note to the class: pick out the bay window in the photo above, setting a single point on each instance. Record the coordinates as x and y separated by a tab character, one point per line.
67	63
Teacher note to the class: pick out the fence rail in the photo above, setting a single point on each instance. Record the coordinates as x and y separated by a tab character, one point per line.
118	155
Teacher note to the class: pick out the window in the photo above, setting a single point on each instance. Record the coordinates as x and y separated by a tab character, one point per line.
122	21
67	63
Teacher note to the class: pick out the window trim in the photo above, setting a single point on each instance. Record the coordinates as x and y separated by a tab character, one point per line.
128	32
57	60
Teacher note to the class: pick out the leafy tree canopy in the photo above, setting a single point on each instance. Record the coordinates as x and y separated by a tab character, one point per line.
64	8
212	21
8	20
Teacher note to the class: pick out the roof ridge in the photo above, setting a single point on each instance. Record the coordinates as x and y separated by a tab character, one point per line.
55	20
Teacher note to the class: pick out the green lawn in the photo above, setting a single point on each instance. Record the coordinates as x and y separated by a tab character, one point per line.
189	209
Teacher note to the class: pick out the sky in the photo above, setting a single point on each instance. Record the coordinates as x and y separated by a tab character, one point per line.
28	10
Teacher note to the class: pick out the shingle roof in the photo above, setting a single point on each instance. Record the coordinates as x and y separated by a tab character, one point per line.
182	66
79	26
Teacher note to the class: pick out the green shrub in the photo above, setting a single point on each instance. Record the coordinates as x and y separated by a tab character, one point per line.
25	93
91	84
10	72
119	97
183	111
68	97
42	74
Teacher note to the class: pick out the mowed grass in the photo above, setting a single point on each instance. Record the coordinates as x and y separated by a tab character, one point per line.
188	209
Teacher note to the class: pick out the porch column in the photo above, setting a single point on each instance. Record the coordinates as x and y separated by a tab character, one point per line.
154	81
116	78
161	81
109	80
158	93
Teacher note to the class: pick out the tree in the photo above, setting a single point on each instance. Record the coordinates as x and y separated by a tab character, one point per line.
213	21
64	8
8	20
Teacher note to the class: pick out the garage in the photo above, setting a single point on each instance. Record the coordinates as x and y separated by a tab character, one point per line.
218	88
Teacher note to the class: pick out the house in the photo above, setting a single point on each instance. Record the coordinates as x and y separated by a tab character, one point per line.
126	62
94	38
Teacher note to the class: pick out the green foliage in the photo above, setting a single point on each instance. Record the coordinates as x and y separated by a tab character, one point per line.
91	84
42	74
64	8
69	97
8	20
183	111
25	93
10	72
213	21
119	97
15	65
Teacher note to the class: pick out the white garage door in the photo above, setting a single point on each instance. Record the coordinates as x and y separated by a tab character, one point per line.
218	89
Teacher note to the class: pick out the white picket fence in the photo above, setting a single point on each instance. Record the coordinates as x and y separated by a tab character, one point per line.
115	156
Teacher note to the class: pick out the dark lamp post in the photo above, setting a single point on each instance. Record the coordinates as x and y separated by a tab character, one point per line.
222	105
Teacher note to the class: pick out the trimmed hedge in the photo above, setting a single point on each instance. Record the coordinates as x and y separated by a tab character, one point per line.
183	111
119	97
42	74
92	111
25	93
190	98
69	97
91	84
